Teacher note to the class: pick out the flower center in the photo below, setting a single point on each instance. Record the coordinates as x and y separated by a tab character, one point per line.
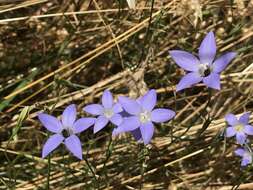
67	131
239	127
145	116
205	70
108	113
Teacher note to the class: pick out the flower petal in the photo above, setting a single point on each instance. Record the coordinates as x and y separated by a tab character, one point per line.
82	124
129	124
148	101
161	115
231	119
116	131
116	119
239	152
185	60
137	134
52	143
130	105
73	144
241	137
248	129
207	49
245	161
100	123
230	131
117	108
188	80
221	63
212	81
107	99
147	131
69	116
51	123
94	109
244	119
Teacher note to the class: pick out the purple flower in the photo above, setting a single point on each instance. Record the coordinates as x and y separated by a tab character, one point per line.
108	111
65	131
245	154
205	68
142	116
239	128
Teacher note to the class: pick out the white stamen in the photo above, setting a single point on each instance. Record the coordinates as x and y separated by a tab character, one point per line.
145	116
108	113
69	130
202	69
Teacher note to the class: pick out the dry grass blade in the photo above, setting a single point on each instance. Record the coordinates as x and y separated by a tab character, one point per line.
57	53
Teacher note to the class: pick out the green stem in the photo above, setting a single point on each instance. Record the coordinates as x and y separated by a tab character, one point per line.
48	172
144	153
108	155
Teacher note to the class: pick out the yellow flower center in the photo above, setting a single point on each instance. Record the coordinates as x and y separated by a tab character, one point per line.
239	127
108	113
145	116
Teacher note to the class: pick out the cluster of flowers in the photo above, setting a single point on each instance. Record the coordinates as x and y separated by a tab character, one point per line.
137	116
240	128
128	115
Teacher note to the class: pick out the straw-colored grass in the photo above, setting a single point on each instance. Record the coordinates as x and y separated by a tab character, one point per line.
53	53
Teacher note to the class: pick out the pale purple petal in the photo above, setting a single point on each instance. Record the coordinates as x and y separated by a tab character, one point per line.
246	159
129	123
73	144
188	80
130	105
100	123
52	143
107	99
221	63
231	119
248	129
83	124
139	100
162	115
185	60
69	116
207	49
244	119
137	134
116	119
147	131
117	108
240	137
51	123
239	152
94	109
148	101
230	131
212	81
116	131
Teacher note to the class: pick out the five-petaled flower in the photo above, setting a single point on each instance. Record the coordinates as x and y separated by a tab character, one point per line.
205	68
142	115
108	111
239	128
65	131
245	154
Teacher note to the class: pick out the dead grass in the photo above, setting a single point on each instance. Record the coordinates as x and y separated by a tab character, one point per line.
53	53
